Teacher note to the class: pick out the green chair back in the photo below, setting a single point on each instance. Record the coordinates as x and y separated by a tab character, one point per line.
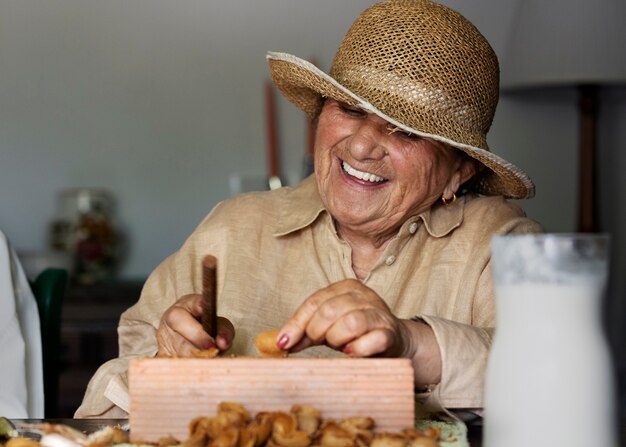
49	290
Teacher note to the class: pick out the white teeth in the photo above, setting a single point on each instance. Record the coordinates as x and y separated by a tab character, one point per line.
368	177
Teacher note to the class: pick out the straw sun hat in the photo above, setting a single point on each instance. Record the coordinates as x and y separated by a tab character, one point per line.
422	67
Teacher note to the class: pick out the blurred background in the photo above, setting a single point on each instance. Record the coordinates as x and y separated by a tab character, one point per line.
149	112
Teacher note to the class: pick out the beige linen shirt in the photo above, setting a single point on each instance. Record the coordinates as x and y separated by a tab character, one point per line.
276	248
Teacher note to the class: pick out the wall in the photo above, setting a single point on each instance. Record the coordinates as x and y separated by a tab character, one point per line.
160	102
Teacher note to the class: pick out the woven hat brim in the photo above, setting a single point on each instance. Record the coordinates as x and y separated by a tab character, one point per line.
305	86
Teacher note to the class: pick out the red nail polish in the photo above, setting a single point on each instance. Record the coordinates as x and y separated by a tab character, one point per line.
209	345
282	341
347	350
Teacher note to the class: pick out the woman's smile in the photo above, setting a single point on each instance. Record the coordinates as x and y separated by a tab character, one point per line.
365	177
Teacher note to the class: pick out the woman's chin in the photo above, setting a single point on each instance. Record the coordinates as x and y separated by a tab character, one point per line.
351	214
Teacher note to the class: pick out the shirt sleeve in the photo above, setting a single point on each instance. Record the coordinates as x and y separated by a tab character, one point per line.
465	347
107	393
464	352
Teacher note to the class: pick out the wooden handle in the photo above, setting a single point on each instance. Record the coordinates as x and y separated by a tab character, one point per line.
273	162
209	295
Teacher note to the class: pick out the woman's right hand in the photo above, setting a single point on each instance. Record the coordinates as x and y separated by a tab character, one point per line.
180	332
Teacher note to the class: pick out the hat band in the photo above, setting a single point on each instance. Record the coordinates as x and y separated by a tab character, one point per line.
359	78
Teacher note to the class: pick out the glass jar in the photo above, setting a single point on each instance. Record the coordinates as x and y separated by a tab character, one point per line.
550	377
85	229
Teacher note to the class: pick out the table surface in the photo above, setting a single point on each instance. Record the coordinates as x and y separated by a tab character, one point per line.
474	431
92	425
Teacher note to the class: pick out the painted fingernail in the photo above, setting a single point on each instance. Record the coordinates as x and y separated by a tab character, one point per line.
347	350
282	341
209	345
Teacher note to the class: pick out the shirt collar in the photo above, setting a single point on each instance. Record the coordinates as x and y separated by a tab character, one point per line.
441	219
303	205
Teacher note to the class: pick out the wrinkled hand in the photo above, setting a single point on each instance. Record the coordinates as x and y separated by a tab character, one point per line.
180	332
350	317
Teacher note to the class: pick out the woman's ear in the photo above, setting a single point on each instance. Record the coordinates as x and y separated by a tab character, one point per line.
465	171
468	168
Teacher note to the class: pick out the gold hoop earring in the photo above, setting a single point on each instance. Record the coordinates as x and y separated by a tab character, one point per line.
448	201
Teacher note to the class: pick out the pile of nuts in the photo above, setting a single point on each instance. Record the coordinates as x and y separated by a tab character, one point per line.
303	426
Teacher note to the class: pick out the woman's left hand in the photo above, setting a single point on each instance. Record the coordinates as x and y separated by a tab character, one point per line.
350	317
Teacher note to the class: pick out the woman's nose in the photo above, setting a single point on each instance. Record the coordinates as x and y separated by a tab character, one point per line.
368	139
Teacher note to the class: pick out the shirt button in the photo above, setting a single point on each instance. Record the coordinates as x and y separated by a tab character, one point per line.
413	228
390	260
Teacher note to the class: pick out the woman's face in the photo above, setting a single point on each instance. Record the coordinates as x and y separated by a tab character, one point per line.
372	179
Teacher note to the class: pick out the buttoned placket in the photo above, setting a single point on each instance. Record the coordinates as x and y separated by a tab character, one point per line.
391	253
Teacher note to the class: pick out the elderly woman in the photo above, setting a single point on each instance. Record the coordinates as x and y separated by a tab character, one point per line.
384	251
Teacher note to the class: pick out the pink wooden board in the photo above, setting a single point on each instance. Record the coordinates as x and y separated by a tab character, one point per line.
166	394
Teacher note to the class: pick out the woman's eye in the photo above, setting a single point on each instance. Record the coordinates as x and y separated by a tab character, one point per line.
409	136
351	110
403	134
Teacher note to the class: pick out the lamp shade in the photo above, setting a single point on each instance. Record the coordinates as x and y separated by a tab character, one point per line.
565	42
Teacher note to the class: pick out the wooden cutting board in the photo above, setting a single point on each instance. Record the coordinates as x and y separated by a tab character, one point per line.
166	394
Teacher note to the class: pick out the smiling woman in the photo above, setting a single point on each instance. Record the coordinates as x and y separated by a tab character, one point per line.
384	250
372	180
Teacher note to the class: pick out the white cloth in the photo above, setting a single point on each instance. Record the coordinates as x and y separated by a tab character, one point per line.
21	370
